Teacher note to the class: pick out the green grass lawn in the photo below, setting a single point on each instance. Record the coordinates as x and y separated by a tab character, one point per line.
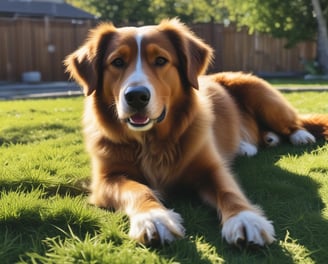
45	217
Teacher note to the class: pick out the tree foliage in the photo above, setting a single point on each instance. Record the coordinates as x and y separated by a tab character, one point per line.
189	10
118	11
292	19
152	11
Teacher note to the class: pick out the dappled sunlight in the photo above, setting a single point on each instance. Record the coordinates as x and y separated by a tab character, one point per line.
297	252
312	166
307	162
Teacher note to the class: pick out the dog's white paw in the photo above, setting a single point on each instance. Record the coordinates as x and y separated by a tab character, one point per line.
247	149
249	228
301	136
156	225
271	139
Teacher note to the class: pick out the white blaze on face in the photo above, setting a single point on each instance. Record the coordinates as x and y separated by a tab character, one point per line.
138	76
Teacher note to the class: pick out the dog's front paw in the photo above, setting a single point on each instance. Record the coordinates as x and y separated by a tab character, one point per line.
248	228
156	226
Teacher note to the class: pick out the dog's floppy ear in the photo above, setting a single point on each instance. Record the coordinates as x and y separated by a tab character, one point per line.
85	65
193	54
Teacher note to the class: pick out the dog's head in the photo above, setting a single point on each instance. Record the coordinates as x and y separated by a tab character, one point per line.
141	71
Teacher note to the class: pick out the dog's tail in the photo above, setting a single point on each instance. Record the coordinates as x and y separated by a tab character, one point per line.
316	124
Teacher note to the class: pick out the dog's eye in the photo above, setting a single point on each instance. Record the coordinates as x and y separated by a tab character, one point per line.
160	61
118	63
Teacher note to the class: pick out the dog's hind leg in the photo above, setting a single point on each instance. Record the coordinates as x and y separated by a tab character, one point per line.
256	98
281	118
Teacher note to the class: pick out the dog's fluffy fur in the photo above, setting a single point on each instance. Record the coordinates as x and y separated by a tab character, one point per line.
153	123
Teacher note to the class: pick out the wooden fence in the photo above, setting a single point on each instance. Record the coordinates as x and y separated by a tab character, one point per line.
42	44
236	50
38	45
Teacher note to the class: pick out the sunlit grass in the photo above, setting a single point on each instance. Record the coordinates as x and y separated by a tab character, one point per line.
45	217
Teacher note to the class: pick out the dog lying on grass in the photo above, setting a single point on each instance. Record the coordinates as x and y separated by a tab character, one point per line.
153	122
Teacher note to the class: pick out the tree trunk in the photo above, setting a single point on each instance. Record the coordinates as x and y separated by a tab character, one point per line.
322	38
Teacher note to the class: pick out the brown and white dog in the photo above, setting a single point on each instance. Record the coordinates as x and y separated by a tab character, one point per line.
153	124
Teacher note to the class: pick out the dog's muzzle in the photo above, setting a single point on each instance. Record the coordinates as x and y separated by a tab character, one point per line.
137	98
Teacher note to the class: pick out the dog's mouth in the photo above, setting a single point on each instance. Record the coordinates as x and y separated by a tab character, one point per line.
141	122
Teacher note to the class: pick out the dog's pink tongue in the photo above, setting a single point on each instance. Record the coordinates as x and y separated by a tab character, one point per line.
139	119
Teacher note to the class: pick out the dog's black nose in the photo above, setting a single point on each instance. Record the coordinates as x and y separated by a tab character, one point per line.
137	96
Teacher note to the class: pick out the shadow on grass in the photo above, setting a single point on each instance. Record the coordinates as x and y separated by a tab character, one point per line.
290	200
35	133
27	232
